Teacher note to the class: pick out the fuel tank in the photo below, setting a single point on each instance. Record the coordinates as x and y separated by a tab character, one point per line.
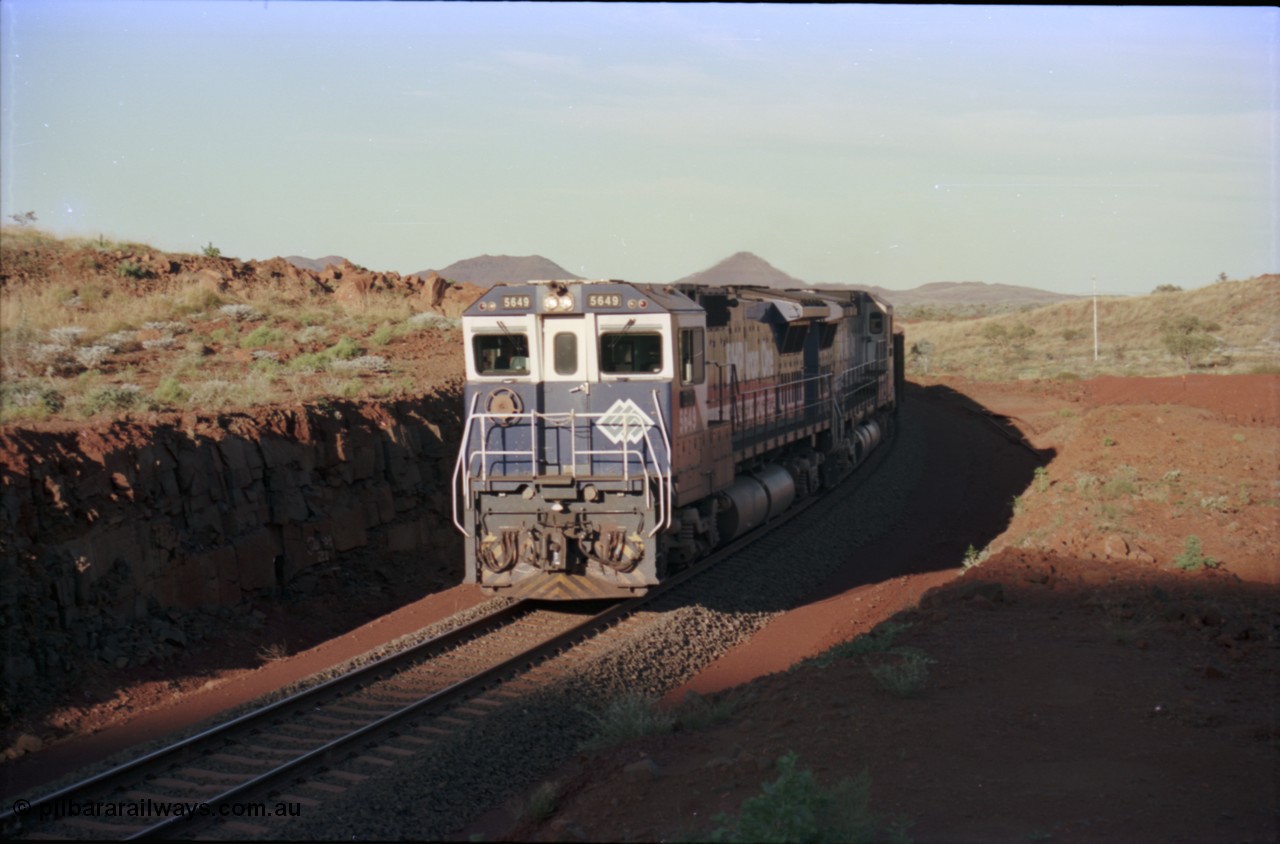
753	499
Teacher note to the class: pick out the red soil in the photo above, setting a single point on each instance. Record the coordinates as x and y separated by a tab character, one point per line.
1083	687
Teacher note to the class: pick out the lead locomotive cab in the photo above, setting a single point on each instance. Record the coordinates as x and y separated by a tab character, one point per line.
564	480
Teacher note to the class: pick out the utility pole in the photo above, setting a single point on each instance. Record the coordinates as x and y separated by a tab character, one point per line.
1095	319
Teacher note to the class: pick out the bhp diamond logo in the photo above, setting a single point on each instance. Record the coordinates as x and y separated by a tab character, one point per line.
624	420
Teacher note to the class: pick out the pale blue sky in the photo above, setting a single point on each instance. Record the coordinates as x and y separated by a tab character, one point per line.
892	145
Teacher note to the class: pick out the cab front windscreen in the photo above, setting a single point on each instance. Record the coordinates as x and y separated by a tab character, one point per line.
630	352
501	354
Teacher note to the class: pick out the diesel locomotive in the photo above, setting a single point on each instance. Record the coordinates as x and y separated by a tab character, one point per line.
614	432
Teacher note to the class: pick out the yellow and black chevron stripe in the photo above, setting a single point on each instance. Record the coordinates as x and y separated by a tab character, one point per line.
575	587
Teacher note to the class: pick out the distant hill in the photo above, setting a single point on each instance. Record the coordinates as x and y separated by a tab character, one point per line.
316	265
1058	340
951	294
746	268
743	268
488	270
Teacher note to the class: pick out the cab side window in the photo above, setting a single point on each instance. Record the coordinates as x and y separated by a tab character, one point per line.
693	358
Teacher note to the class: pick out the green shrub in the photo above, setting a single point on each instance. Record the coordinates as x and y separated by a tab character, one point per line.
211	251
1189	338
1192	557
344	349
973	557
112	398
905	676
261	337
128	269
1042	478
29	402
628	717
795	808
171	393
349	389
384	335
309	362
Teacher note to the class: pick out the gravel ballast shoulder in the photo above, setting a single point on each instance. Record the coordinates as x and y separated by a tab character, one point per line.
460	776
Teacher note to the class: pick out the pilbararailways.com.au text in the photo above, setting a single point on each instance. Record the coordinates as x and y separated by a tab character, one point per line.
146	807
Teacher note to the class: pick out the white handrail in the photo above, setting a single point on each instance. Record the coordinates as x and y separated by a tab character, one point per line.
666	442
467	455
458	476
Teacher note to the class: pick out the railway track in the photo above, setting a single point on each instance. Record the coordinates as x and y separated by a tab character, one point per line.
250	775
239	775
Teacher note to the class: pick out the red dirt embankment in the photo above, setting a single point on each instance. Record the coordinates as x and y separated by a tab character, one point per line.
1082	686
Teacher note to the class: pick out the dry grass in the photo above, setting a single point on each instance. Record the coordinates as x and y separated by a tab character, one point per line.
81	334
1131	338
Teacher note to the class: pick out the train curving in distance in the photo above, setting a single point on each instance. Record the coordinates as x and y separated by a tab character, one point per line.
614	432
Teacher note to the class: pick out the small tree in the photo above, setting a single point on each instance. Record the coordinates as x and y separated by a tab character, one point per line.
1188	337
24	219
1167	288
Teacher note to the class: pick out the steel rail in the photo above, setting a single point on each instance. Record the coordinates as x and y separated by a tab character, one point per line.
304	697
440	698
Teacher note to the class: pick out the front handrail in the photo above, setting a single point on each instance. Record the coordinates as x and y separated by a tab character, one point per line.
458	478
666	442
537	423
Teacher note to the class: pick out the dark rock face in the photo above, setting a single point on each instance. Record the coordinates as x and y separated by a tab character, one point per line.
106	527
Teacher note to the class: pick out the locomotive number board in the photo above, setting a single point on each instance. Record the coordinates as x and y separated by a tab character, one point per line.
516	303
604	300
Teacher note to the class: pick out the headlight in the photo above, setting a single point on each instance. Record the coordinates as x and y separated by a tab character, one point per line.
551	303
566	302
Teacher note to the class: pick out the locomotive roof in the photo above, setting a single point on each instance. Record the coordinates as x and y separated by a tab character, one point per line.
505	296
829	304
